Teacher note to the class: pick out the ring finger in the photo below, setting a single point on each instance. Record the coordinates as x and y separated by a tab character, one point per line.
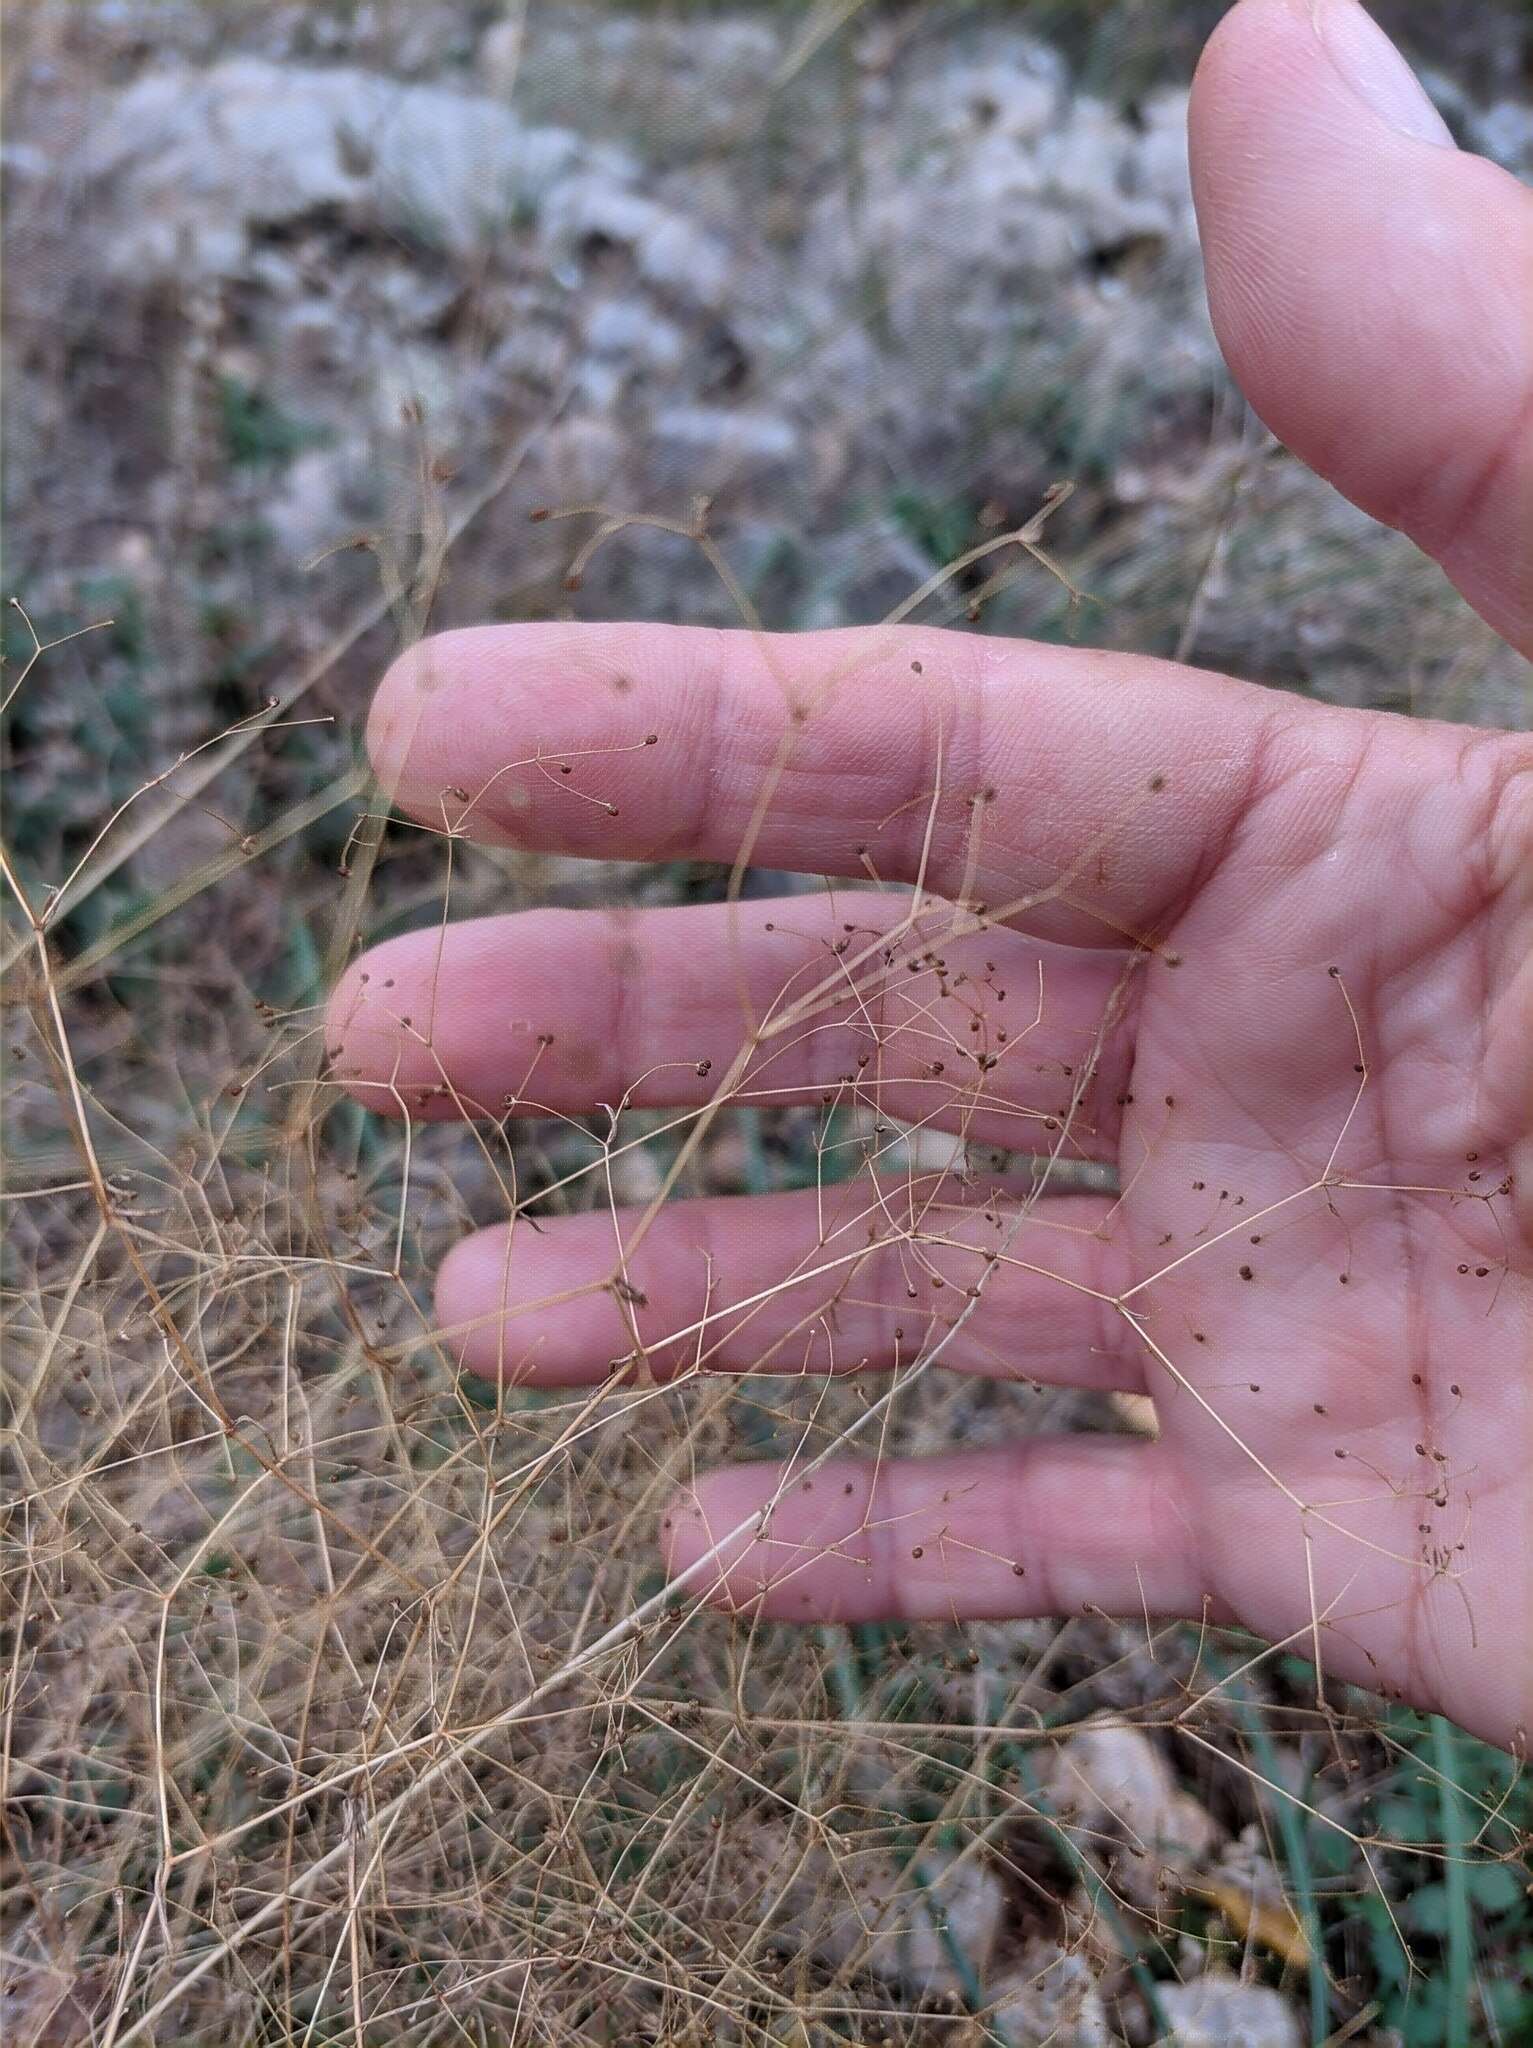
856	997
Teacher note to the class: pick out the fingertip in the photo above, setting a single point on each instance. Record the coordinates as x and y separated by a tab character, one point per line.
1332	50
467	1299
1376	73
704	1544
1368	284
754	1538
349	1029
394	718
535	1307
683	1527
1248	37
427	699
367	1028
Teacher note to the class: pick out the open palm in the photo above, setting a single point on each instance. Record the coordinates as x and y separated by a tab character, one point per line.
1273	960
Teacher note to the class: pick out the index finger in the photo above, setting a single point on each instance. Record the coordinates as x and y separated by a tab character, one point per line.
1080	792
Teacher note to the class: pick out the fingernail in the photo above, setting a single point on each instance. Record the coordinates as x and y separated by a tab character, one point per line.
1376	71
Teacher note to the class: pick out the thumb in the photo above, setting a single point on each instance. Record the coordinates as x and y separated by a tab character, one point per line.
1372	286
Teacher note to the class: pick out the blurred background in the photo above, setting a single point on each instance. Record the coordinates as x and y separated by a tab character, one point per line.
309	308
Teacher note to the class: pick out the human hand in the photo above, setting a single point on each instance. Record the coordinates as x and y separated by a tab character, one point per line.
1273	959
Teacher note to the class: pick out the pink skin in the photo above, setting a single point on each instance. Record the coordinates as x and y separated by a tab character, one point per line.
1205	849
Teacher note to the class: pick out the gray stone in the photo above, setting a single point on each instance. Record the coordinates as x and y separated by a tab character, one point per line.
939	272
1111	1777
592	208
1051	1996
1505	133
1218	2011
629	331
705	447
867	1912
191	165
904	1928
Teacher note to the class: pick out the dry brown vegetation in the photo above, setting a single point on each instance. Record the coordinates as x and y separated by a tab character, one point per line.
344	1700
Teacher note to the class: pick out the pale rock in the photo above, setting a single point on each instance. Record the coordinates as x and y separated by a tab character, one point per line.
590	208
990	202
677	257
1108	1777
190	165
275	272
534	352
1085	156
668	251
1158	164
678	88
1008	100
1218	2011
1050	1996
304	513
499	56
576	459
867	1912
1505	134
927	1150
627	330
904	1929
24	162
705	447
635	1174
599	385
411	379
1087	169
866	574
313	335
